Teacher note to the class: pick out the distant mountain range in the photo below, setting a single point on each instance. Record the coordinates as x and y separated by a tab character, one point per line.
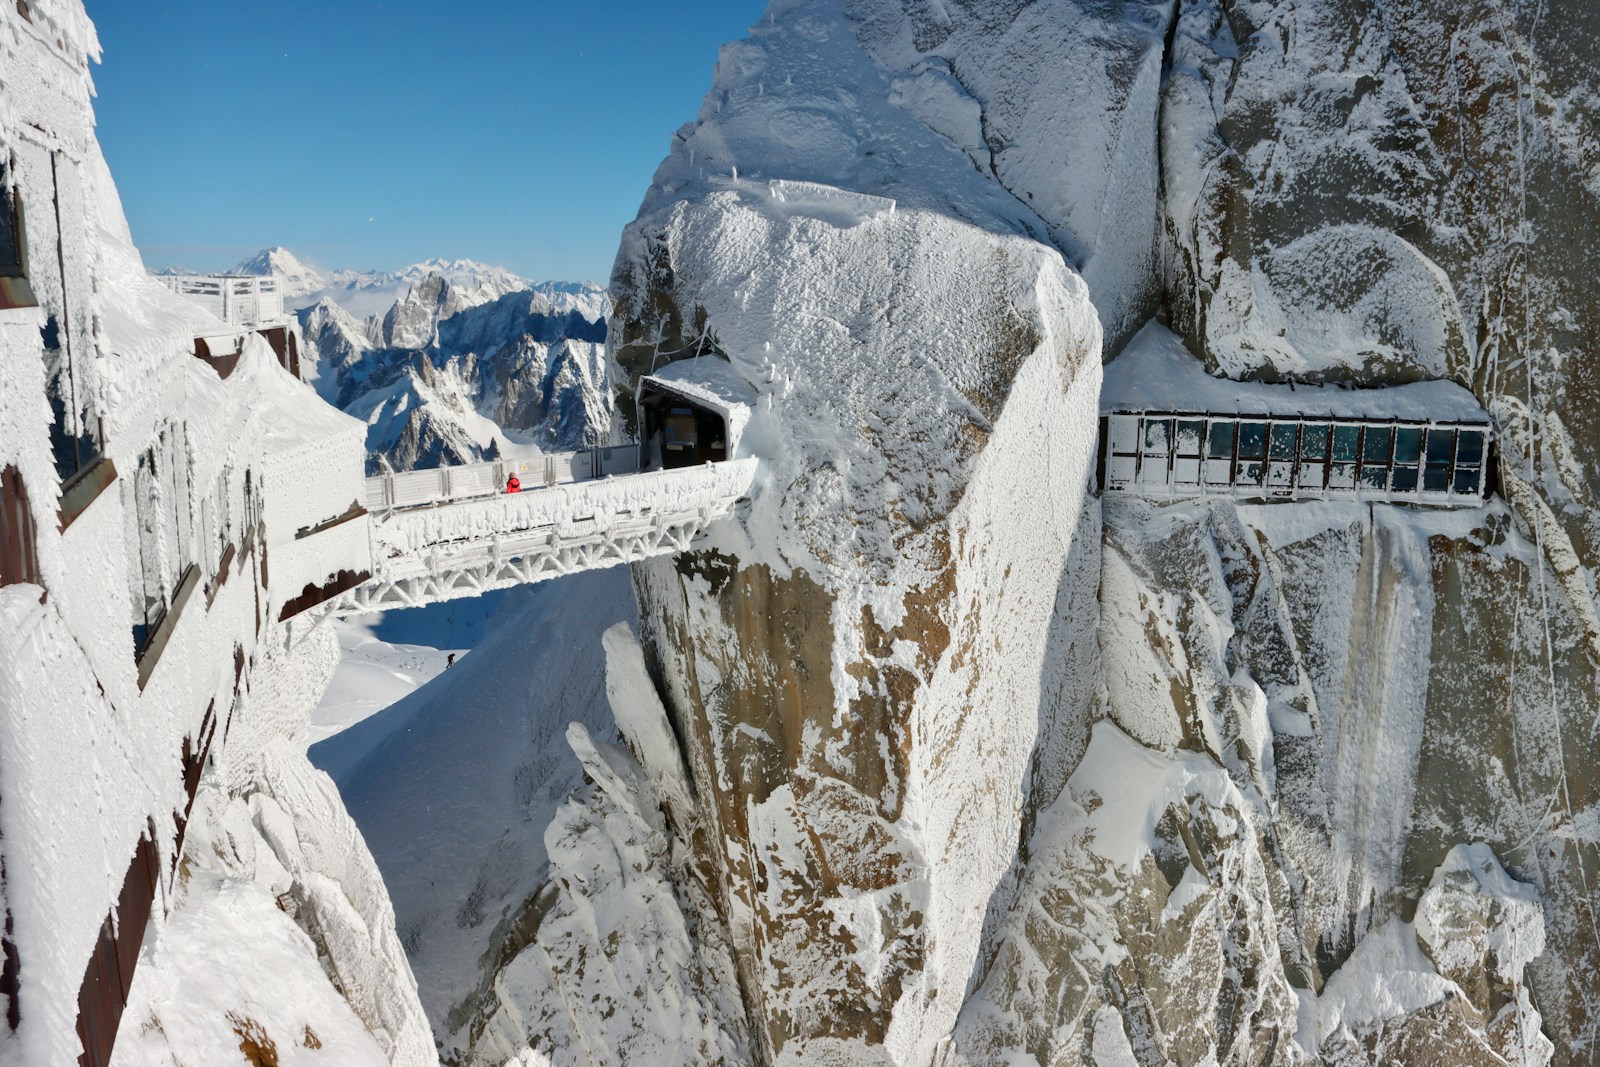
368	293
450	360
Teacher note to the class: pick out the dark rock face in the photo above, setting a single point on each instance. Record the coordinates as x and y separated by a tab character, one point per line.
1377	194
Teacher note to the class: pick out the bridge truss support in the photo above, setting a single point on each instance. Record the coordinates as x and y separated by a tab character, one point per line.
426	555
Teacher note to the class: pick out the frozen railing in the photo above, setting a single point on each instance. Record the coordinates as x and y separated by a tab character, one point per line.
468	481
238	300
423	555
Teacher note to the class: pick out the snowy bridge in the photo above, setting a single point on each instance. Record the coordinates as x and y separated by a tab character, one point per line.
470	543
420	537
453	532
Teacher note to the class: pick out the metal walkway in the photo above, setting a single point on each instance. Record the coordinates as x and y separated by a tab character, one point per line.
453	532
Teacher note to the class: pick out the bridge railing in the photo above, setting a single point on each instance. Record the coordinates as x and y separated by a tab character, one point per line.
468	481
239	300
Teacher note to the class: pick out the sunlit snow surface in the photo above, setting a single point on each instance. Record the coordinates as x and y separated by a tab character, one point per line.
454	785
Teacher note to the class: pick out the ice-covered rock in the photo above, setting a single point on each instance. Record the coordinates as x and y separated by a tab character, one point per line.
618	969
873	677
1482	928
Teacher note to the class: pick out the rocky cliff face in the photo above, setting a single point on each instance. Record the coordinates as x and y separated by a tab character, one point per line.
1318	789
891	659
979	769
1376	195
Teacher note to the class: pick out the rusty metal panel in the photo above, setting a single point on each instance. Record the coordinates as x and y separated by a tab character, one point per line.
100	1002
109	976
133	910
84	488
19	560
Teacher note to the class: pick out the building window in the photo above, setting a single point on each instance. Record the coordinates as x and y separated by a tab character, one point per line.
74	431
161	541
15	292
146	585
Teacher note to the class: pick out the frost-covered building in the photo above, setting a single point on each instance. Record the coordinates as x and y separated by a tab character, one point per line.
1167	429
174	503
161	517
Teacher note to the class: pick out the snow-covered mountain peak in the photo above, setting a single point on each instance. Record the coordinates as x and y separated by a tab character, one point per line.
463	270
299	278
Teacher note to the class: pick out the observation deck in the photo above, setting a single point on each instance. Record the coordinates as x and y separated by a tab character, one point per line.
1169	430
246	302
237	299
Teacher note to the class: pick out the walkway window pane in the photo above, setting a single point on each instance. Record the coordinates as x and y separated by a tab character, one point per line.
1124	434
1342	476
1250	473
1374	477
1436	479
1157	436
1311	474
1467	480
1377	446
1120	471
1346	443
1441	445
1470	449
1405	480
1284	437
1408	444
1252	440
1189	437
1314	440
1219	445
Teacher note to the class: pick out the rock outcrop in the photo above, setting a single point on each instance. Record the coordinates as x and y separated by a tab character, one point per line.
1297	711
982	770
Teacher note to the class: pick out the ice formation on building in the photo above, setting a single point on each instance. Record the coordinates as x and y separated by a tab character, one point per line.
172	862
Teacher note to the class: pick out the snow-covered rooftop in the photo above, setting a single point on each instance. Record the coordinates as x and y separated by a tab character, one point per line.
1157	373
709	380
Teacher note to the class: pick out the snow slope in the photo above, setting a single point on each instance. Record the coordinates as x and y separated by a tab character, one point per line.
454	786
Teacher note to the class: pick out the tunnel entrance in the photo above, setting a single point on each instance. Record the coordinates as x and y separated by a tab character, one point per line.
678	428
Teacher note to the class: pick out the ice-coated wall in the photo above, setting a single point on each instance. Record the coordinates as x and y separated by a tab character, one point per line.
209	491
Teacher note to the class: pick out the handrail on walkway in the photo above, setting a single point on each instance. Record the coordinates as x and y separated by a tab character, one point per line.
467	481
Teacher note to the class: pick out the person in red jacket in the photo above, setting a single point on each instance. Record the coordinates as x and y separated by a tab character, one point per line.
513	484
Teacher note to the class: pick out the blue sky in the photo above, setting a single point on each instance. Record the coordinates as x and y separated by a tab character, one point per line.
375	133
